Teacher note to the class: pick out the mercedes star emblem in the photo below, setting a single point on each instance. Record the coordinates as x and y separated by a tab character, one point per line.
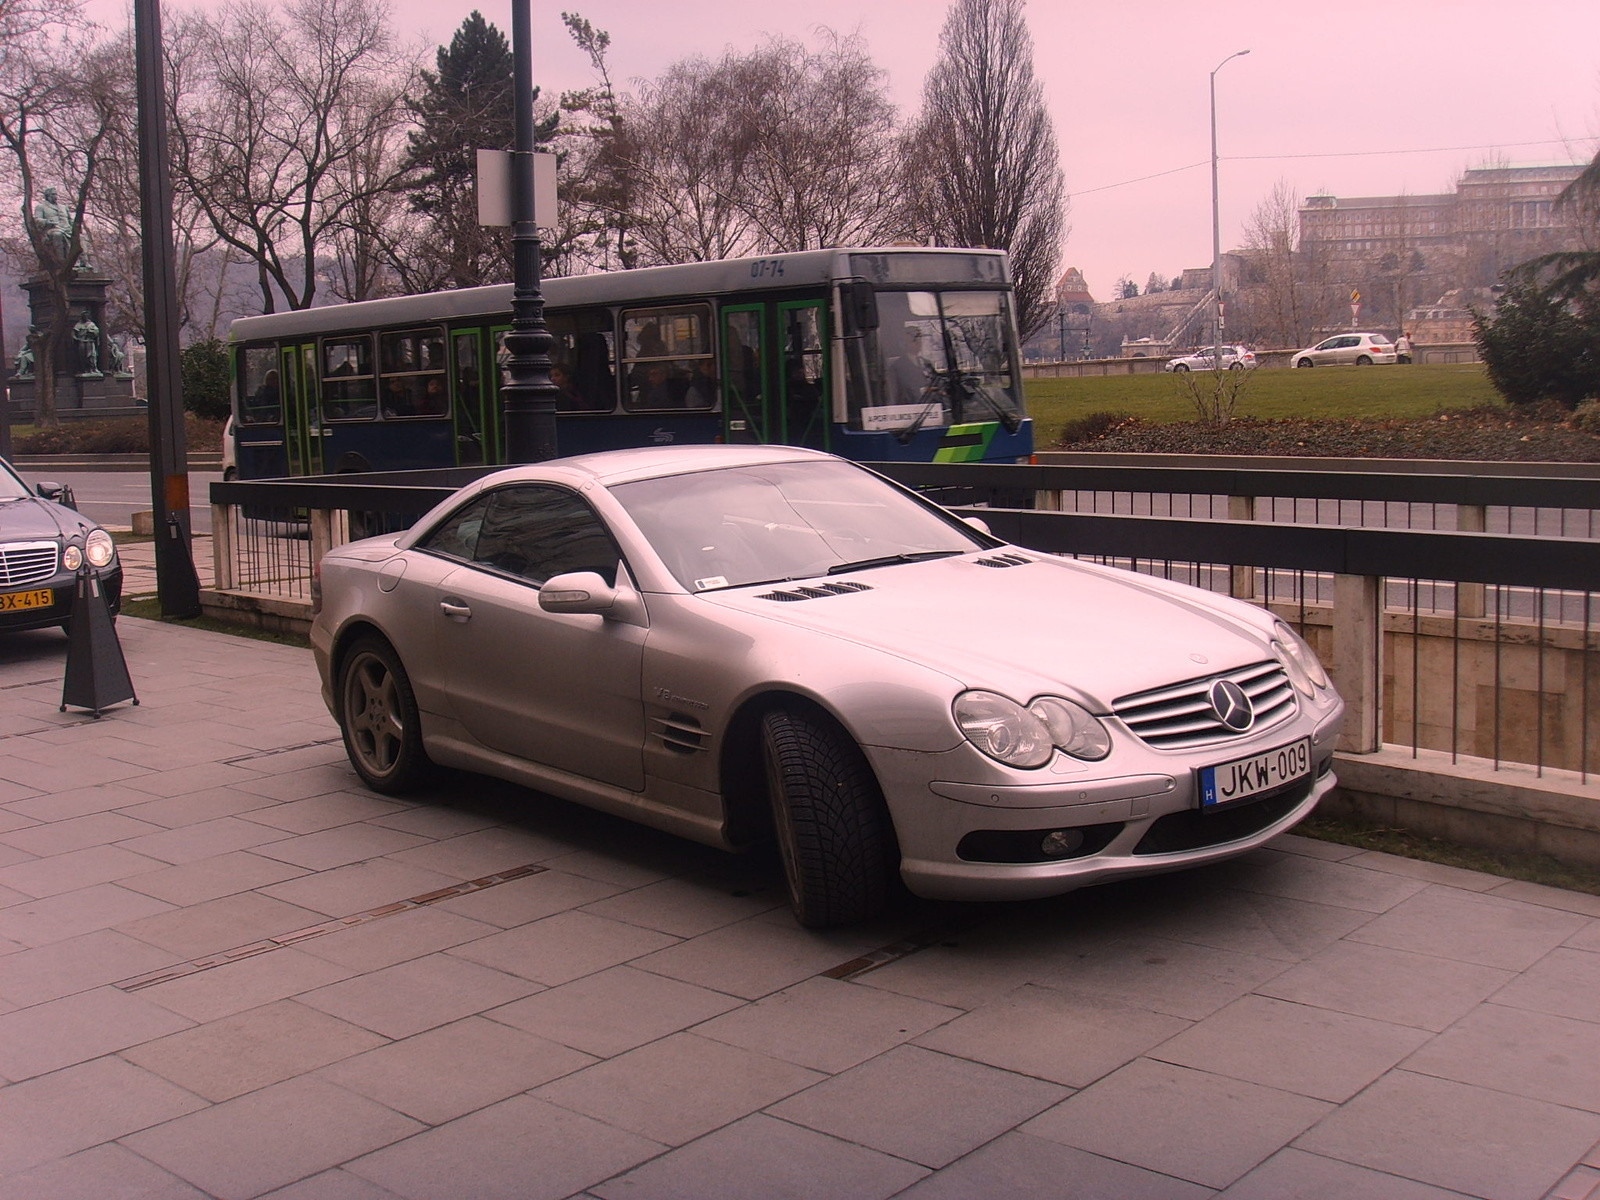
1231	705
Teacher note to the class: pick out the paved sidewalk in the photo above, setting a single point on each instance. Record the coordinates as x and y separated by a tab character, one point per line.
139	565
227	970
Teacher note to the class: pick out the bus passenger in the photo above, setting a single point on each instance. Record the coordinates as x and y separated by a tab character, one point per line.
434	402
703	387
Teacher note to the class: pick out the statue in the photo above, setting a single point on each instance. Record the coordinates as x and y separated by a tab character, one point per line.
87	335
55	227
25	355
117	360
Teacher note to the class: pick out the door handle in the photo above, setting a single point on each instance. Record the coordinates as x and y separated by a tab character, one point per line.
456	612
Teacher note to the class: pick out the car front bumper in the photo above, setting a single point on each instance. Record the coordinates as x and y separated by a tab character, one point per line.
63	588
1140	817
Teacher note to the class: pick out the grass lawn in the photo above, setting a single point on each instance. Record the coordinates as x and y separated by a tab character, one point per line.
1269	394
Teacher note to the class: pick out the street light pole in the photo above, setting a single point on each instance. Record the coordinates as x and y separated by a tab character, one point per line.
1216	226
529	396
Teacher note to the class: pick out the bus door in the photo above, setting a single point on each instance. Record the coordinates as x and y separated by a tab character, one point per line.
302	430
745	411
803	374
470	392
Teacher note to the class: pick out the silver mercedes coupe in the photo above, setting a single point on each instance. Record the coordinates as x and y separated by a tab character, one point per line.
736	643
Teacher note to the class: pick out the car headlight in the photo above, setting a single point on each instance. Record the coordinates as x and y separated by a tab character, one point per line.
1028	737
1073	728
1299	661
1003	729
99	548
72	557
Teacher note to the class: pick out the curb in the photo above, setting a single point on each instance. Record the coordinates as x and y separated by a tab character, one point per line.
107	462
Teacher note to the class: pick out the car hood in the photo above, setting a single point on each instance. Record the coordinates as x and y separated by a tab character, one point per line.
1051	625
28	519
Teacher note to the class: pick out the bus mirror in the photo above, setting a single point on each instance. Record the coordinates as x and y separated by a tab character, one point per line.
860	306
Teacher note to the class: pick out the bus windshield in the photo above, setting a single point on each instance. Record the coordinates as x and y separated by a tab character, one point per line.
937	359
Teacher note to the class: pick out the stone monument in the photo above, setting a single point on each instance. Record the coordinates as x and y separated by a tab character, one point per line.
90	368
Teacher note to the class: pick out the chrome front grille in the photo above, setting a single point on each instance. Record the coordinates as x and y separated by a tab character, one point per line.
1181	715
27	562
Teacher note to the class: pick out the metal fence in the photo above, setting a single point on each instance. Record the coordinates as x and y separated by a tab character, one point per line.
1457	611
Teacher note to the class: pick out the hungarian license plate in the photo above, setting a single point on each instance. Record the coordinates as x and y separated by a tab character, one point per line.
1243	778
40	598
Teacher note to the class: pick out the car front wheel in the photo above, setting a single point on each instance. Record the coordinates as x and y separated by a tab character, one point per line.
832	827
379	719
1180	369
1304	362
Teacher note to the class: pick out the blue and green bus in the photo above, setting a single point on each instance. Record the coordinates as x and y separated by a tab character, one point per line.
899	353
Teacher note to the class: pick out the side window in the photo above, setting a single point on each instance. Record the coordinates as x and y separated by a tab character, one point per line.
537	532
457	535
413	368
666	358
349	388
583	366
260	399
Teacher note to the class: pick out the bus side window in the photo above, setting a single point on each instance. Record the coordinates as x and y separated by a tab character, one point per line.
413	373
667	358
349	388
581	360
260	397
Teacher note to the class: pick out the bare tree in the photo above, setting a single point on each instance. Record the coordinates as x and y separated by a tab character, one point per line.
1288	295
777	149
982	165
818	127
275	137
60	94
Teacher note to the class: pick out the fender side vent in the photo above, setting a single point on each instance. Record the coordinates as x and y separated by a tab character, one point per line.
810	592
1003	560
680	733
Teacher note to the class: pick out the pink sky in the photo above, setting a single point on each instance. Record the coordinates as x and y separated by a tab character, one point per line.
1391	96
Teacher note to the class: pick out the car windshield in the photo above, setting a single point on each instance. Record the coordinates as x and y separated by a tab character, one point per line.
785	521
11	486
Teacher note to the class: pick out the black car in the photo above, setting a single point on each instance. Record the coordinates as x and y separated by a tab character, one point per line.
44	542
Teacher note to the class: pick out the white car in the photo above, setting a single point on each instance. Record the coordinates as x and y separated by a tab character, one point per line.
1234	358
1361	349
735	643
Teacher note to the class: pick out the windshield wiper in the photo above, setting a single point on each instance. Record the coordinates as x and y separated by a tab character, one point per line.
889	560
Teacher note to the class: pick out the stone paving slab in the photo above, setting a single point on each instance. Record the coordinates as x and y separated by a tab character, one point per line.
228	970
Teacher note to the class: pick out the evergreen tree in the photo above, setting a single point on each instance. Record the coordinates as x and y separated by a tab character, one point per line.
466	106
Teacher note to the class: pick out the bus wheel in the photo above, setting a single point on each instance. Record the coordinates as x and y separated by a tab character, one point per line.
832	826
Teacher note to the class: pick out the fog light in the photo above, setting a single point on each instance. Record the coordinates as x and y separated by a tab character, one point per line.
1059	843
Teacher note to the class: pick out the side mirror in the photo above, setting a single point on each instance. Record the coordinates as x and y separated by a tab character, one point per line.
60	493
860	306
577	592
979	524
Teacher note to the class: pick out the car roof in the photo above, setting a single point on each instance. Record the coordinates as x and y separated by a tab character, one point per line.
610	467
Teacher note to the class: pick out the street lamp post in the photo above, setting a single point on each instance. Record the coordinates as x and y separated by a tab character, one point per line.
1216	226
530	396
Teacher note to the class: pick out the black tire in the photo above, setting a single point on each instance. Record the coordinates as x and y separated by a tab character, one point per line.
1363	361
1305	362
1180	369
833	829
1238	366
379	719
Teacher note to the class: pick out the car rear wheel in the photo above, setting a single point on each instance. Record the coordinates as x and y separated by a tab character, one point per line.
1305	362
833	829
1238	366
1180	369
379	719
1363	361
